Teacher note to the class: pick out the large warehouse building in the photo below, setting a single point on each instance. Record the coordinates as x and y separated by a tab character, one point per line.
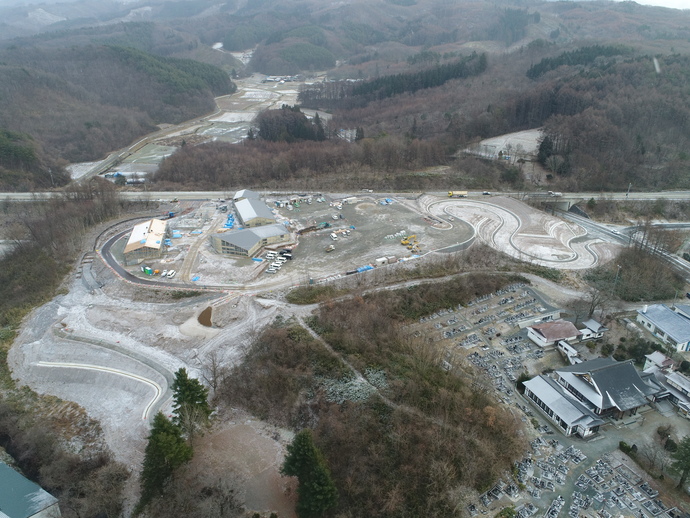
146	241
254	213
245	243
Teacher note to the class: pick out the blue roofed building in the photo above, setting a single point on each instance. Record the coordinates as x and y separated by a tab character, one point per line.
671	325
21	498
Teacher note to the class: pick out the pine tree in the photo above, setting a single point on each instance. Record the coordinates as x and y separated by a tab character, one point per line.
191	406
317	492
165	452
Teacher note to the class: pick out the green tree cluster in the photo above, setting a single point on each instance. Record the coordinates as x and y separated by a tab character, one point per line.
316	492
165	452
167	449
581	56
289	124
191	407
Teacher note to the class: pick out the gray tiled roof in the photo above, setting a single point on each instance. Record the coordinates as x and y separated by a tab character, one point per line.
607	383
673	324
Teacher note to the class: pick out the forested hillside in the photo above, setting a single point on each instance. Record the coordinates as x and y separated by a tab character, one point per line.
81	103
426	75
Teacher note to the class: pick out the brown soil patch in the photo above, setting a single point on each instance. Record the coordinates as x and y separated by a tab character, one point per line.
243	450
205	317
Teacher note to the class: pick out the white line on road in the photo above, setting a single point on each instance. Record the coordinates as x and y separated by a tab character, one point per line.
85	366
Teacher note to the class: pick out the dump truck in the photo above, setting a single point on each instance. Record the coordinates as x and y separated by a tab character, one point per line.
457	194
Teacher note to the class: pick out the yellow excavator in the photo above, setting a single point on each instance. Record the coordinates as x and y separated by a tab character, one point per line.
407	240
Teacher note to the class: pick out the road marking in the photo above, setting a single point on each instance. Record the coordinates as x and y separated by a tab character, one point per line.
85	366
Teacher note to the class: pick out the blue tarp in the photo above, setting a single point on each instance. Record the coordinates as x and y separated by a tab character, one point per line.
365	268
257	259
196	232
195	278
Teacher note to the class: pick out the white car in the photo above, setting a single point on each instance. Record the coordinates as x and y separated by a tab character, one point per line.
164	273
171	274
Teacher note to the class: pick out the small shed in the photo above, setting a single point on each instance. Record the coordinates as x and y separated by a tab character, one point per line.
592	330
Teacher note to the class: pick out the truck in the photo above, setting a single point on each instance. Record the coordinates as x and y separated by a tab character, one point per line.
457	194
552	193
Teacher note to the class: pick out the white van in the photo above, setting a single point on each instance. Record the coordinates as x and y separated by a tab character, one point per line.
334	237
171	274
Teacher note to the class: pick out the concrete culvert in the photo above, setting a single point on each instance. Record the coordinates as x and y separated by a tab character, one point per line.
205	317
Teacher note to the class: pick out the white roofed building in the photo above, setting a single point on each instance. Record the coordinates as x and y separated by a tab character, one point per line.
254	213
146	241
592	330
561	407
657	360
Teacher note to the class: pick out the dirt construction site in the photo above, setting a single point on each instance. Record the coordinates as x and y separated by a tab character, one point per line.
112	345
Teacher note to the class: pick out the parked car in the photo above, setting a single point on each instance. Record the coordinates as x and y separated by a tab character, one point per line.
171	274
486	193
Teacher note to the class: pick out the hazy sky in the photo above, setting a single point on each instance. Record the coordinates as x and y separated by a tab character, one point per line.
676	4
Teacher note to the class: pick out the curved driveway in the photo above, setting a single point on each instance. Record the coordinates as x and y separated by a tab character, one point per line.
158	391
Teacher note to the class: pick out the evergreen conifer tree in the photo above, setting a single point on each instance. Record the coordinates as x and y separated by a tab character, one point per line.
165	452
317	492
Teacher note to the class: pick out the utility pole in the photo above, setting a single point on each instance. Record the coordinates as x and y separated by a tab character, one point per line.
615	281
628	193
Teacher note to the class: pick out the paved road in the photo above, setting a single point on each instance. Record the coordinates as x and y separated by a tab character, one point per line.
626	236
214	195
